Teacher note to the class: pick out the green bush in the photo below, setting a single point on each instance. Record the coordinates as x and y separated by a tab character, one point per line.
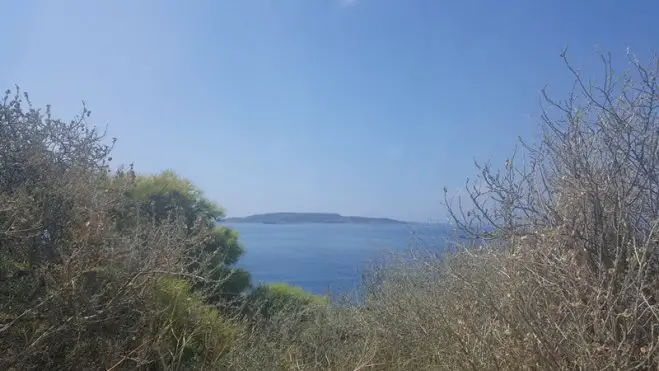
279	297
165	195
194	334
96	266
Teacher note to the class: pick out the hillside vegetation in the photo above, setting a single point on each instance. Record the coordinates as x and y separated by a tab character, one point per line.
113	270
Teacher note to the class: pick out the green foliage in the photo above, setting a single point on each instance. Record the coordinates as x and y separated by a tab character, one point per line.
195	333
166	195
96	268
227	238
279	297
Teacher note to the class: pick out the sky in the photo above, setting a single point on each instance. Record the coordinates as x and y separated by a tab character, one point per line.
360	107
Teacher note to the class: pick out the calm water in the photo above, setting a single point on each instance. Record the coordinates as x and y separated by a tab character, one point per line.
322	257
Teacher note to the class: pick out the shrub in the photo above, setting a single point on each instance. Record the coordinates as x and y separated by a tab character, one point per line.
165	195
560	272
325	338
192	333
579	223
82	266
272	298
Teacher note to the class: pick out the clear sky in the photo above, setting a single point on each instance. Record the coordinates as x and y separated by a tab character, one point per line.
362	107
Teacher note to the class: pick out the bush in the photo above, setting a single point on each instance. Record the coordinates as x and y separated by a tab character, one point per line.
165	195
273	298
589	195
83	268
325	338
560	271
192	333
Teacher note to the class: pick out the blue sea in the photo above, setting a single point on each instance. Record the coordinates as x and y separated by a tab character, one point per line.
327	258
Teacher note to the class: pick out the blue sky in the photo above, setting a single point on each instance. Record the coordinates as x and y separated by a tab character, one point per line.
362	107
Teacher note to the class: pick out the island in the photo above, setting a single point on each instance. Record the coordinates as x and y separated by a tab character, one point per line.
298	218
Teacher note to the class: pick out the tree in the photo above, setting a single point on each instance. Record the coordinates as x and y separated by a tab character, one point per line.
166	196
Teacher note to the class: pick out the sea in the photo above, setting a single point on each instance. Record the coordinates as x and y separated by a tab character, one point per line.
329	258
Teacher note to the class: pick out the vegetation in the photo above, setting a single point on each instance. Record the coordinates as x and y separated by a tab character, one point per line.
105	269
87	253
163	195
277	298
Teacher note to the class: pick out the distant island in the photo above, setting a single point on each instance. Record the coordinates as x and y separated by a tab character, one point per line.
298	218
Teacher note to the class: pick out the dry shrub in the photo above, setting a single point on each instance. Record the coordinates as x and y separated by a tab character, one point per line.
537	308
560	272
81	267
322	337
574	227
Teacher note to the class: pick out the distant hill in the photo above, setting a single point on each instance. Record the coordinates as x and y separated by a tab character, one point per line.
297	218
